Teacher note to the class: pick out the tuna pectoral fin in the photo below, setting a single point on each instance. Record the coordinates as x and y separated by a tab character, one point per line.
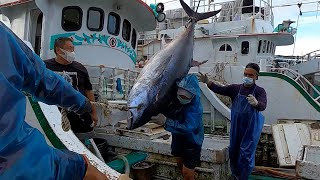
197	16
195	63
206	15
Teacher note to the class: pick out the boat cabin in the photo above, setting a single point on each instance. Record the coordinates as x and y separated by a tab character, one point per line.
104	32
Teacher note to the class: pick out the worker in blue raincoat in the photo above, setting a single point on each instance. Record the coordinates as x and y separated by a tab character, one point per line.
248	100
24	153
184	121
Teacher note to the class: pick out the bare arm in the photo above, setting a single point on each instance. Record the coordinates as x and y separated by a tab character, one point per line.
90	96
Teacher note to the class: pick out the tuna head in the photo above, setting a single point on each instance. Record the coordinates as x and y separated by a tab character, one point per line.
138	103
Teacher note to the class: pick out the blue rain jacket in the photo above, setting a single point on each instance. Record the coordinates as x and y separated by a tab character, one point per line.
24	153
188	119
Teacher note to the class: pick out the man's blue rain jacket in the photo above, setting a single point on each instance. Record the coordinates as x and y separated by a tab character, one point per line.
24	153
188	119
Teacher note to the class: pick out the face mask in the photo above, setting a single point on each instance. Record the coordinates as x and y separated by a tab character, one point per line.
184	101
247	81
68	56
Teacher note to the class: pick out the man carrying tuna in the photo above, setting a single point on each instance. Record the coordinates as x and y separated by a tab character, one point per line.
184	121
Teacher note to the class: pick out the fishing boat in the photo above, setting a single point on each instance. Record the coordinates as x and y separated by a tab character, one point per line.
110	37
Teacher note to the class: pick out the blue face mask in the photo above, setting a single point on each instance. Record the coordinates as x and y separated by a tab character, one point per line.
247	81
183	101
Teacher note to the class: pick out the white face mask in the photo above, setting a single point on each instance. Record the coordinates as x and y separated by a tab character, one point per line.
247	81
184	101
68	56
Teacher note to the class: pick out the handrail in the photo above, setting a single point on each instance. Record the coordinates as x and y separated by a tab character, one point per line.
106	86
301	80
311	55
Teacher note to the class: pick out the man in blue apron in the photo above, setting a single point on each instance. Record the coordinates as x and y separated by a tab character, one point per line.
24	153
248	100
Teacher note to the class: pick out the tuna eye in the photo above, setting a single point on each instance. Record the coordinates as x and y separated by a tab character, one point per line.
140	106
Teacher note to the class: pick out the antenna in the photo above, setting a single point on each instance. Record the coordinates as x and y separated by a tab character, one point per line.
198	5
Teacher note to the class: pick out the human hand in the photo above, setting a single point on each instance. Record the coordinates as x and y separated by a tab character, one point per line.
203	78
252	100
93	173
160	119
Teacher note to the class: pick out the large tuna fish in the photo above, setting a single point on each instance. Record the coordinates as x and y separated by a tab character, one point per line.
154	87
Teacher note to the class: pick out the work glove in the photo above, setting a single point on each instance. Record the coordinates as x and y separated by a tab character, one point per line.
252	100
159	119
203	78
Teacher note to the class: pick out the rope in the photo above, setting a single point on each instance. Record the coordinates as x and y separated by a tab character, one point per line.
126	164
274	172
65	123
105	107
216	75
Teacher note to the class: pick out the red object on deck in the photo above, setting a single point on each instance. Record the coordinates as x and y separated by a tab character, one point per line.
14	3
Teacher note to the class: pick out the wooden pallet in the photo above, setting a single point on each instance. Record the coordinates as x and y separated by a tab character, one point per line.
147	131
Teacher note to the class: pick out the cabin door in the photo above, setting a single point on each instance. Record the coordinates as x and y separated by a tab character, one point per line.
36	17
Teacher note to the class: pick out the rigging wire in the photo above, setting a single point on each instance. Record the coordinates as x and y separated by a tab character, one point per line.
295	36
294	4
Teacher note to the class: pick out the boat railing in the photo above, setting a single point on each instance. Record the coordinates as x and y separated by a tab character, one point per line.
311	56
302	81
231	11
112	83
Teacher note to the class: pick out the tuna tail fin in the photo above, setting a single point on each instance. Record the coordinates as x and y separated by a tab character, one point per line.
195	15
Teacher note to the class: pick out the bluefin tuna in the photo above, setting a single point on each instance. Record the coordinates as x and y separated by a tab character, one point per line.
155	85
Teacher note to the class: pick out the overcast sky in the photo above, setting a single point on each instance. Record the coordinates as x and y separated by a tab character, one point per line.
308	34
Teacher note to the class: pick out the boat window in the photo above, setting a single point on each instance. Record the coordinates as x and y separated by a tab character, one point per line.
259	46
264	46
114	23
245	47
95	19
223	48
134	39
274	48
229	48
126	30
71	18
268	47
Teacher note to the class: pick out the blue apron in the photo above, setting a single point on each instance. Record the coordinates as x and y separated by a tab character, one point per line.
246	127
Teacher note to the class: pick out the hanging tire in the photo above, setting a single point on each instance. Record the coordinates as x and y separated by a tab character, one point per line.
161	17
